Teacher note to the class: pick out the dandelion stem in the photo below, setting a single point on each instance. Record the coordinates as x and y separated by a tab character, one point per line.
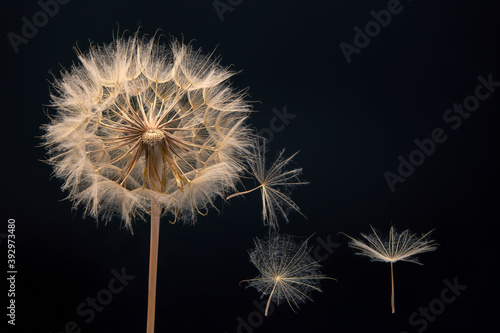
269	300
392	289
155	183
153	265
241	193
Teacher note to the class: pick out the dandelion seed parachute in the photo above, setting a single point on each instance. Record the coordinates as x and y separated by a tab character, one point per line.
404	246
275	182
288	273
137	120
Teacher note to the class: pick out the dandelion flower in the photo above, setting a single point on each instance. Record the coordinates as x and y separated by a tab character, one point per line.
287	270
137	120
274	185
404	246
145	129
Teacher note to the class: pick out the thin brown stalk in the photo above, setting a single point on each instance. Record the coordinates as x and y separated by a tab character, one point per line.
392	289
270	297
155	182
153	265
241	193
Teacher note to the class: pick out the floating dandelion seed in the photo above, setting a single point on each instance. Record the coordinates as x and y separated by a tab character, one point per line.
287	271
274	184
403	246
142	129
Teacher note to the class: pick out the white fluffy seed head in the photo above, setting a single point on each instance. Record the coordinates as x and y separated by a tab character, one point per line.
135	94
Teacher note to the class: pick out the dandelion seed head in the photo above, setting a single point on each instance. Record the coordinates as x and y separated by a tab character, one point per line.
137	120
152	136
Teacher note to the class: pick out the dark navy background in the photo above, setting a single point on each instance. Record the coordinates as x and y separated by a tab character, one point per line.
352	121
